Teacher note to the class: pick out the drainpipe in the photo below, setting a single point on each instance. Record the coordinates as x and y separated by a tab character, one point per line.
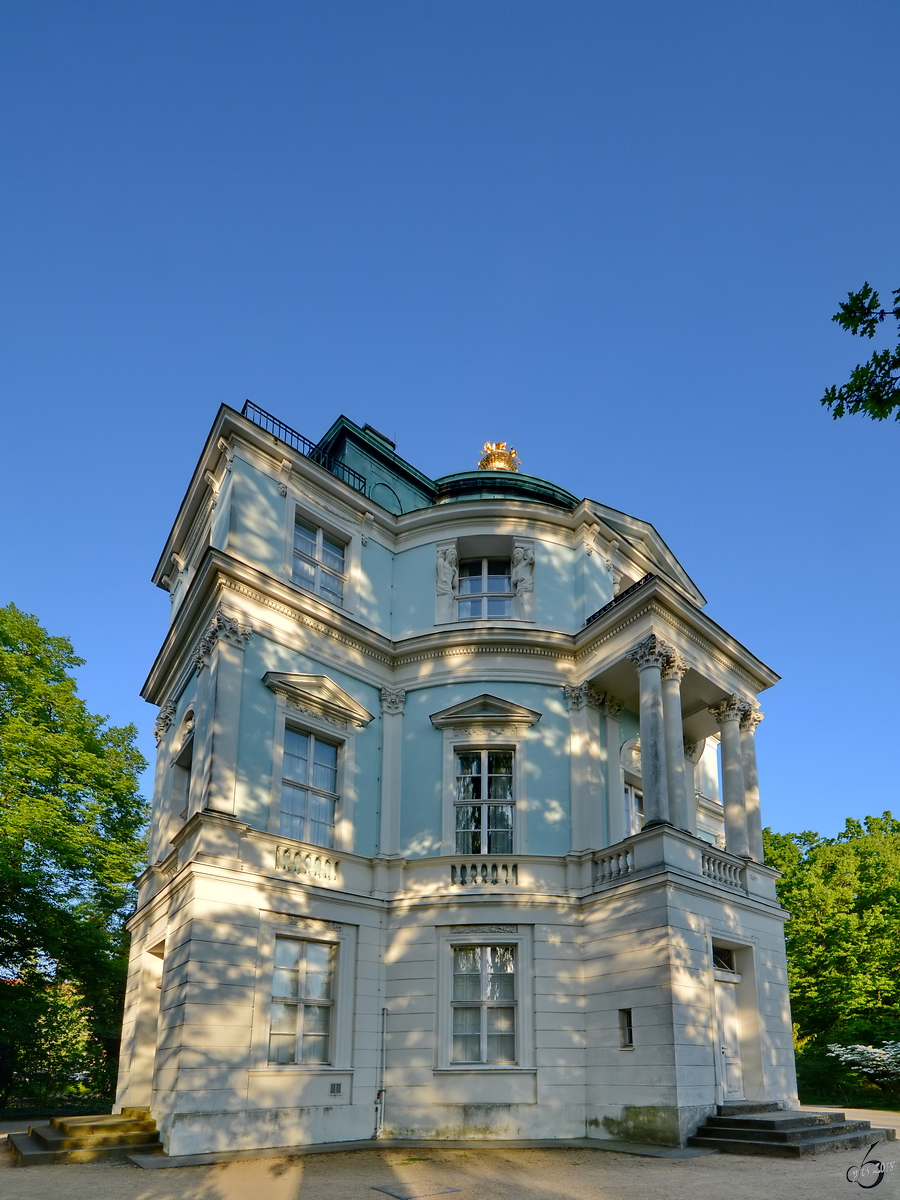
379	1095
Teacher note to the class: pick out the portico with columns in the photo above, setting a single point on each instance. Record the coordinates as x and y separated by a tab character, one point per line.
474	747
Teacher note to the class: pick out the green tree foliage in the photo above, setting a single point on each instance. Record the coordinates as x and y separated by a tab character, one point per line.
874	386
843	938
71	821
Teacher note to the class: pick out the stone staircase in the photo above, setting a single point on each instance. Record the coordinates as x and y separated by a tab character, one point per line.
87	1139
746	1128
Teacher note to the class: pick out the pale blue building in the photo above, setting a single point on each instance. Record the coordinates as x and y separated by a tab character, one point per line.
456	820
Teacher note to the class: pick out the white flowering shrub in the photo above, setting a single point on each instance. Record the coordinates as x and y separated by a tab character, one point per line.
881	1064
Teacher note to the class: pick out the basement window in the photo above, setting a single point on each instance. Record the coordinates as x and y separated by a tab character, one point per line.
626	1030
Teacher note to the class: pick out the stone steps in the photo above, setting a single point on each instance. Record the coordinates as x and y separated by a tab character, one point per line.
764	1129
87	1139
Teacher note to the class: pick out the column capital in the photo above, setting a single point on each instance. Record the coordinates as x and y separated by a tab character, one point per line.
221	626
392	699
164	720
731	709
675	667
651	652
612	706
751	719
580	694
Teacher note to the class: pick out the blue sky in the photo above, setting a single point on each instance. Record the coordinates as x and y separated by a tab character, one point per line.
610	233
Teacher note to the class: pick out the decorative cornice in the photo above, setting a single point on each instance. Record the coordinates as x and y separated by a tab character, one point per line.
392	699
751	719
164	720
652	651
676	667
580	694
731	709
221	626
483	711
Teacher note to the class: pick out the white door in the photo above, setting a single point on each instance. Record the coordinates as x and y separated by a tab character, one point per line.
730	1040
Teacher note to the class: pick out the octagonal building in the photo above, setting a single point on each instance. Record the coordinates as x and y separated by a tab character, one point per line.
455	827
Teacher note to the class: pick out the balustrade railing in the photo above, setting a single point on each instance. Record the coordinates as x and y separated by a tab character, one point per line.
304	862
309	449
720	870
468	874
615	865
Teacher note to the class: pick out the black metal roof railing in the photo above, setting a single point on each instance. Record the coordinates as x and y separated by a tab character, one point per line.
303	445
621	596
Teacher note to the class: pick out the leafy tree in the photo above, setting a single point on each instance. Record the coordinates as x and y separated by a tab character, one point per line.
874	386
71	821
843	948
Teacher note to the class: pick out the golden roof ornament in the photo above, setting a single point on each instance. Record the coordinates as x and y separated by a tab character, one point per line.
496	457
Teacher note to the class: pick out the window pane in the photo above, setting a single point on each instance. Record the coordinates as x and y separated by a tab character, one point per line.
467	973
316	1027
304	571
468	776
467	1035
296	756
319	972
500	775
321	819
500	820
305	538
331	586
283	1033
498	607
293	811
469	609
468	828
287	969
332	554
501	978
470	577
501	1035
325	766
498	575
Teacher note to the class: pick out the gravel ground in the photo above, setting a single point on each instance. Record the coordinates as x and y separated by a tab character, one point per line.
477	1174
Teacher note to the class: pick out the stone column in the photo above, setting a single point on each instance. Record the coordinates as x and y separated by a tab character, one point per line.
728	716
650	656
615	791
392	702
749	722
582	703
693	752
672	674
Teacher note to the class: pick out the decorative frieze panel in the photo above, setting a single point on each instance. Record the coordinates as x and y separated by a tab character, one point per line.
486	930
306	924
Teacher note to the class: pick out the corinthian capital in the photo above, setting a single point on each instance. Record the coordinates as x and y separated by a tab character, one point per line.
651	652
164	720
751	719
580	694
731	709
675	667
392	699
221	626
612	705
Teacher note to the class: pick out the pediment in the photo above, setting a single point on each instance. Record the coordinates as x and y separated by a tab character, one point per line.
485	710
319	695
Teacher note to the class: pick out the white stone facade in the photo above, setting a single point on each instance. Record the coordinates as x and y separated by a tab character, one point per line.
437	848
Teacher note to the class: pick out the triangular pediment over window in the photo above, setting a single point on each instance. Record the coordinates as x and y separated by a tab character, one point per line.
485	710
317	694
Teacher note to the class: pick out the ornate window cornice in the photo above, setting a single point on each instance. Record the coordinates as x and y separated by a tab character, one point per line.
319	696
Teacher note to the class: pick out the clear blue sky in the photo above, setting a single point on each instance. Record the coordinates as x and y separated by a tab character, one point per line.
610	233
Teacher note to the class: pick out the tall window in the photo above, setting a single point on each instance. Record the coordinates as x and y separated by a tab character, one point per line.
634	808
485	588
318	561
484	802
308	788
484	1004
302	1000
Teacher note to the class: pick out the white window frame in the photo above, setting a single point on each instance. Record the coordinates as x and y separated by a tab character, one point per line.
483	1005
484	803
301	1003
334	797
499	737
519	937
341	734
484	595
307	929
299	506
